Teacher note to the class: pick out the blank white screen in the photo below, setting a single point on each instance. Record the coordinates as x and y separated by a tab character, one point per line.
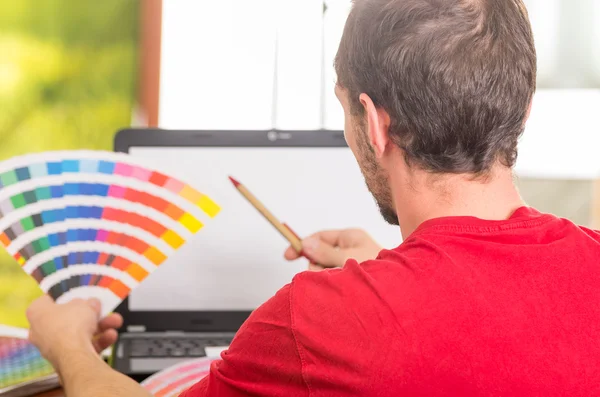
236	261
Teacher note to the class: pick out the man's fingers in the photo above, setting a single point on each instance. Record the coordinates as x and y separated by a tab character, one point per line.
105	339
96	305
114	320
38	306
322	253
331	237
291	254
315	268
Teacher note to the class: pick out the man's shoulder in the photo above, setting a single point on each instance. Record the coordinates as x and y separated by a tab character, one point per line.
336	313
594	234
354	274
391	286
328	297
394	267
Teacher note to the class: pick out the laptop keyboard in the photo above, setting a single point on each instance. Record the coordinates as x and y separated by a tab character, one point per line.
173	347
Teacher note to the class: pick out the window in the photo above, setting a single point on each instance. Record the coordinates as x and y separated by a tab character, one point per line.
235	64
567	34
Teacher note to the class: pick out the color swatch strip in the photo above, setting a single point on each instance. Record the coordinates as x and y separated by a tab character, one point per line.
91	259
50	241
91	212
172	381
93	166
20	362
93	280
64	242
159	204
182	383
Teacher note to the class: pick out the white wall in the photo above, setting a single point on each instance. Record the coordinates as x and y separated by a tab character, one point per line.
217	64
262	64
562	138
238	64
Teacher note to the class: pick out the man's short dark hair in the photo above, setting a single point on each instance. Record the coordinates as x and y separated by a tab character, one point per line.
455	76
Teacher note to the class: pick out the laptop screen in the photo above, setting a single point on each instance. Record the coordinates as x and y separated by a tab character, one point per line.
235	262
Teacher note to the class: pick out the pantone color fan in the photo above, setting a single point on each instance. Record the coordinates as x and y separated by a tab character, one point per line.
23	370
94	224
173	381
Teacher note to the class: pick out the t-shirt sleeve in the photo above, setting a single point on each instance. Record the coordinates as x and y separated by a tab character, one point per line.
262	360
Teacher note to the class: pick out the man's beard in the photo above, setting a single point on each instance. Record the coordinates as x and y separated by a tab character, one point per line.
375	178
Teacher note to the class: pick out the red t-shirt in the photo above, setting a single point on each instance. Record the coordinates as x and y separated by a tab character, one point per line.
463	307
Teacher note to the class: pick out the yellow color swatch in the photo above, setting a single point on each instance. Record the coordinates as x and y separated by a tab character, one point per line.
208	206
192	224
155	256
173	239
137	272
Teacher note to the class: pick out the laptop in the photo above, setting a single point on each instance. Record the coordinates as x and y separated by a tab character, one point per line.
193	305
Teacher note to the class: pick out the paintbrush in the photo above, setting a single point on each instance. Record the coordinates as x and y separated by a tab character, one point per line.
282	228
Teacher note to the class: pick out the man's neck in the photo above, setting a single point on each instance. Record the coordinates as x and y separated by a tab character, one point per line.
424	196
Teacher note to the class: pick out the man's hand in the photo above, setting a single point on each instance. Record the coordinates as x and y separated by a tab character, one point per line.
70	337
58	330
332	248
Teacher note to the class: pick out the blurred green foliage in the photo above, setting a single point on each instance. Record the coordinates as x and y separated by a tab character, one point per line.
67	81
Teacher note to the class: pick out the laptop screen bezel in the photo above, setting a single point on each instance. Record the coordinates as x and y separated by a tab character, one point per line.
209	321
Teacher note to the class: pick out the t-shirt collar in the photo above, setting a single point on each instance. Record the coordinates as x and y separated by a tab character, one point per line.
521	214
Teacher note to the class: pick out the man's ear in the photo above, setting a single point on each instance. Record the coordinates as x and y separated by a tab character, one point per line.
378	124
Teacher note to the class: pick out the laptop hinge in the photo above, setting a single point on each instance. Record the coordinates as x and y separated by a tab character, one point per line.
136	328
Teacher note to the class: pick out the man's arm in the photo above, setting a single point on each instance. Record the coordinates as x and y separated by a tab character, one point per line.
86	374
70	337
263	359
333	248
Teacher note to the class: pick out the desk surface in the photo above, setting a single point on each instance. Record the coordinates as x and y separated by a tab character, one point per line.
53	393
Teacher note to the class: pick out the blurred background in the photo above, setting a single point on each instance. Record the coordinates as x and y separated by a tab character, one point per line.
74	72
68	80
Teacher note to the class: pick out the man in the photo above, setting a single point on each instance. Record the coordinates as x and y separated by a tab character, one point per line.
485	296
